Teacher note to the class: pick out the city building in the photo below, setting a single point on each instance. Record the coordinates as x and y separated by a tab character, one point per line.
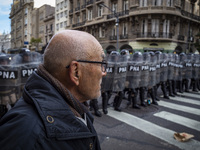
42	26
61	15
5	42
138	25
31	19
20	16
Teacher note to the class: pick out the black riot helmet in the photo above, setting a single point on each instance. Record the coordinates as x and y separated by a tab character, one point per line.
153	58
190	57
158	55
126	55
114	56
183	57
137	57
4	59
26	56
146	57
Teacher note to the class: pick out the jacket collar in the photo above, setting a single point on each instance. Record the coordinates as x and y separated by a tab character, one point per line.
57	117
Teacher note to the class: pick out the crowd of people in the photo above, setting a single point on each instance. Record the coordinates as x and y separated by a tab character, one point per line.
139	76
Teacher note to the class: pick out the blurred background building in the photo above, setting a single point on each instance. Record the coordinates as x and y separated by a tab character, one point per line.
136	25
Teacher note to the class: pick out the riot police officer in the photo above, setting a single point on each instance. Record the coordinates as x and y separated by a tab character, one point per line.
152	77
8	84
144	78
107	81
195	72
171	61
133	78
120	78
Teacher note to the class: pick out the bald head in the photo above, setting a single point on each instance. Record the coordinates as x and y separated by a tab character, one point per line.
69	45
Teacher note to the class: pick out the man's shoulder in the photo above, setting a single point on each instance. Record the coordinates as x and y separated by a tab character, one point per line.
20	126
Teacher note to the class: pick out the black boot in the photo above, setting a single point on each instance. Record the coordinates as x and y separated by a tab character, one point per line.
151	92
134	100
96	108
174	87
194	88
118	101
170	88
155	92
142	92
163	87
104	102
186	85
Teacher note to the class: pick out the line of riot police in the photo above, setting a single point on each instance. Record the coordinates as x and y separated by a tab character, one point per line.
14	72
143	73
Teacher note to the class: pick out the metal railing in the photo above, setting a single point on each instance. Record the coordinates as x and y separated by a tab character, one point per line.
154	35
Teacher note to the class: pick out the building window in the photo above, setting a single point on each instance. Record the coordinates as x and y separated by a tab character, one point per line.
25	32
61	14
65	4
78	19
156	2
155	27
170	3
166	26
26	11
114	7
78	3
125	29
57	7
57	16
100	11
89	14
61	5
61	25
125	5
41	29
41	15
57	26
101	32
143	3
65	24
66	13
51	27
144	28
114	32
84	16
25	21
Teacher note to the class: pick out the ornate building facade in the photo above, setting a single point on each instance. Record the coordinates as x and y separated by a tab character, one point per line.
138	25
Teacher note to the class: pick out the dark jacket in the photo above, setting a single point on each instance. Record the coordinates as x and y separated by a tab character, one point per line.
42	120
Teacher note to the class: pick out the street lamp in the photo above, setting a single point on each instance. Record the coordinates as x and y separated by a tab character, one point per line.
116	22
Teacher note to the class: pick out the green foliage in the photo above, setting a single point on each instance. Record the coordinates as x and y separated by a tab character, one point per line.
36	41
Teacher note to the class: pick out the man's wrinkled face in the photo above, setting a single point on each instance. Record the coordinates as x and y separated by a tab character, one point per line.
92	77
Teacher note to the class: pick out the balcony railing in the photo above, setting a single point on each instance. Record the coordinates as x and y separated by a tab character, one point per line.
181	37
71	11
154	35
83	6
190	15
114	37
124	36
122	13
77	8
78	24
89	2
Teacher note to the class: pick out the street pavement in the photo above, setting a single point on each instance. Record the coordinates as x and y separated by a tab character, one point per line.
151	127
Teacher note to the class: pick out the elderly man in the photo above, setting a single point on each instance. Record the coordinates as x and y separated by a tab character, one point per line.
51	114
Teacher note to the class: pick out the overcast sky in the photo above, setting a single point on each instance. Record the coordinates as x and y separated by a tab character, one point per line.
5	7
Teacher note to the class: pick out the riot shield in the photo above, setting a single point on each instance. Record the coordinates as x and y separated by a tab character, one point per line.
171	66
107	81
134	70
158	58
144	78
9	84
176	67
152	70
120	73
182	63
195	67
164	67
188	66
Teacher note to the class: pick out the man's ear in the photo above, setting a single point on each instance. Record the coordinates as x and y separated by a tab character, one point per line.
74	72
